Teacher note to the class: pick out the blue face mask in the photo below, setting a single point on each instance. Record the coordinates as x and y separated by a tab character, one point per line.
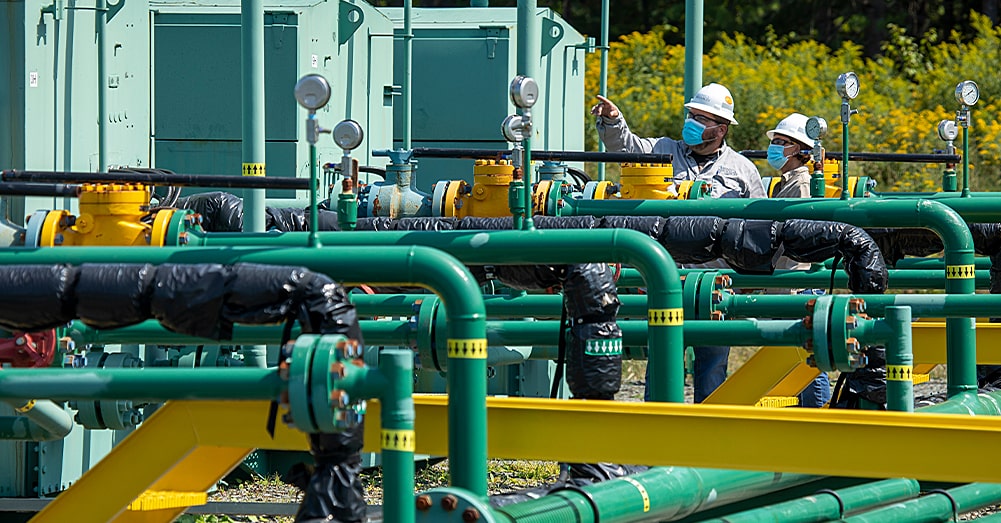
692	132
777	156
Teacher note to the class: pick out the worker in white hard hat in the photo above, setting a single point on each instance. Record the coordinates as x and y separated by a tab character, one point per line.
789	152
701	154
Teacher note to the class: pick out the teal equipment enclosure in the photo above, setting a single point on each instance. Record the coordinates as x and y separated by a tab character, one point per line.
197	74
49	101
463	62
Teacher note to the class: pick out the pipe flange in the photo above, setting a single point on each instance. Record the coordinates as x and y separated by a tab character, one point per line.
298	383
453	505
820	345
427	352
690	294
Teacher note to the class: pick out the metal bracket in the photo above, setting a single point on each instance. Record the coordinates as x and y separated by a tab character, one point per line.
349	20
552	33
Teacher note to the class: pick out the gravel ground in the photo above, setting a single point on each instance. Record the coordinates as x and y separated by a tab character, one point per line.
505	476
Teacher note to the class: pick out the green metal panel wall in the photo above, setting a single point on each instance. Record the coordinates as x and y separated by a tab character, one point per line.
197	70
463	62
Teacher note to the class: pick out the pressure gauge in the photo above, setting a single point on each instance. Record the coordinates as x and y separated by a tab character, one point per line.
967	92
512	128
816	128
947	130
348	134
312	91
847	85
524	92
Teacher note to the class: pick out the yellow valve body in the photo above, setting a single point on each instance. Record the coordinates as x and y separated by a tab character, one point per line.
647	182
110	214
489	196
832	179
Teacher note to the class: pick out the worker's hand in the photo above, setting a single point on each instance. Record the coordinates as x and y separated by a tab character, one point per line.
605	108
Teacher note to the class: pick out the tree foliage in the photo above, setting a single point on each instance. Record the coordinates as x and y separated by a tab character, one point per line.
905	93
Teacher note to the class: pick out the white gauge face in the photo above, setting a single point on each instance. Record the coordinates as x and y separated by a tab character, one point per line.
312	91
348	134
816	128
947	130
847	85
967	92
524	92
511	127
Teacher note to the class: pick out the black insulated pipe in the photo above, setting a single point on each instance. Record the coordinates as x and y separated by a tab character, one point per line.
159	178
567	156
871	157
39	189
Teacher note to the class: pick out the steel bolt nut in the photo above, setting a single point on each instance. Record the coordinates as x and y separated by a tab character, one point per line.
810	305
716	316
470	515
808	322
808	345
851	322
717	297
856	305
424	502
852	346
449	503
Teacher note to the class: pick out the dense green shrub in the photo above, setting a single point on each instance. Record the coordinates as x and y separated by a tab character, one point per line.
905	92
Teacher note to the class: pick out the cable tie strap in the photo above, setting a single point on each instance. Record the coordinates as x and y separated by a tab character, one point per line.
837	497
955	506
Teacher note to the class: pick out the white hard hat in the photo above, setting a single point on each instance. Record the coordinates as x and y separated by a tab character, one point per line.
793	126
714	99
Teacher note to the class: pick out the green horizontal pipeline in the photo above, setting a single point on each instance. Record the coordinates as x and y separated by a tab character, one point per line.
389	265
148	385
530	247
969	404
825	505
934	506
941	216
39	420
923	278
670	492
981	263
537	334
547	306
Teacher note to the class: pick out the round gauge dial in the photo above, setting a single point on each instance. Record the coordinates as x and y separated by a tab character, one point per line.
967	92
816	128
348	134
312	91
847	85
947	130
511	127
524	92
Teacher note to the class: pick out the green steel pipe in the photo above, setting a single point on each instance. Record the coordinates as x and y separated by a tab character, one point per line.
143	385
383	265
980	262
603	75
969	404
252	85
408	53
546	246
252	52
101	14
694	20
39	420
314	187
845	115
966	156
923	278
529	55
934	215
899	360
397	418
667	493
983	209
827	505
935	506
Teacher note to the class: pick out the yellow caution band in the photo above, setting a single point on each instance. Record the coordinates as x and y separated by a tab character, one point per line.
960	272
401	440
899	373
165	499
253	169
639	486
26	407
665	317
475	349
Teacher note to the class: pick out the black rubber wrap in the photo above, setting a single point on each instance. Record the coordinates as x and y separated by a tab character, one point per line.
204	300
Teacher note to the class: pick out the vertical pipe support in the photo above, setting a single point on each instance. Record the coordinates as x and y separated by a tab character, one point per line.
397	435
101	19
694	15
966	154
529	55
899	360
314	187
603	78
252	49
408	54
